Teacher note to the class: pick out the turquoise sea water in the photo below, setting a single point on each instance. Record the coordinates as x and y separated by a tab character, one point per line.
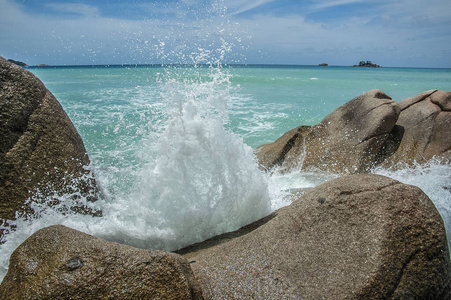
266	101
171	147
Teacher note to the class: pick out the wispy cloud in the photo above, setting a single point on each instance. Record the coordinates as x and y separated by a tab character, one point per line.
239	7
323	4
388	32
74	8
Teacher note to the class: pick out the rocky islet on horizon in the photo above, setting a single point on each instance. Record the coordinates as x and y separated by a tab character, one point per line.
347	238
367	64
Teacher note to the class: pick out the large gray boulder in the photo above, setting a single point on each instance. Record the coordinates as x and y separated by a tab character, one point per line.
356	237
61	263
40	149
370	130
349	140
423	130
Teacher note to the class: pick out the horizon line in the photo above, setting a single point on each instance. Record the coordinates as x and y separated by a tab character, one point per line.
43	66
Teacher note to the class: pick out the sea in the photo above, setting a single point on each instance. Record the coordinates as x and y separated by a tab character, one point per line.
171	146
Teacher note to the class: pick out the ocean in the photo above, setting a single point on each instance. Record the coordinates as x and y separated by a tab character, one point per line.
171	147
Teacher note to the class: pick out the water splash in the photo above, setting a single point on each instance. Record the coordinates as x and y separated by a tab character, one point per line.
198	180
185	179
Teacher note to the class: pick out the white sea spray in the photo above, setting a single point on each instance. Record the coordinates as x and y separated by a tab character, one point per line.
285	187
194	179
174	175
197	179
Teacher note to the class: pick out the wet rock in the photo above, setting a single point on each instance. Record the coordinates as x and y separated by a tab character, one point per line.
41	151
61	263
425	125
273	154
370	130
348	140
356	237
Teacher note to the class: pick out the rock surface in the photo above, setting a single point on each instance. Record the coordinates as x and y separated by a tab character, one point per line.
368	131
349	140
424	129
40	148
356	237
61	263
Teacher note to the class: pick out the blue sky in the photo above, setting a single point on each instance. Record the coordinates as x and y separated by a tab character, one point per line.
392	33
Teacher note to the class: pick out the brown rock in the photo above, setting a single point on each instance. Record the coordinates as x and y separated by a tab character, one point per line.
369	130
356	237
273	154
406	103
349	140
442	99
40	148
425	125
61	263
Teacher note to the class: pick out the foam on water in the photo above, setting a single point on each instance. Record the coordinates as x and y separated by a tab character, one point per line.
198	180
193	179
174	174
285	187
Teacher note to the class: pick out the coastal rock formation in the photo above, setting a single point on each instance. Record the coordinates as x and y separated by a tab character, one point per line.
356	237
40	149
368	131
423	130
349	140
61	263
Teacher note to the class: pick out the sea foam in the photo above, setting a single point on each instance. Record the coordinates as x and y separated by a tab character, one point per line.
197	179
194	179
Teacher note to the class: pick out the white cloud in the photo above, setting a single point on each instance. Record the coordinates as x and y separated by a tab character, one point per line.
238	7
386	35
295	39
75	8
323	4
9	11
94	39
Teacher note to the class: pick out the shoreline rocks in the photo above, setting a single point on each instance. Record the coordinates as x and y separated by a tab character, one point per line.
61	263
360	236
41	151
348	140
423	130
355	237
368	131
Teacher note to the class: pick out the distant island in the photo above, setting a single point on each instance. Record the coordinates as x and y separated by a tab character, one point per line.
22	64
367	64
19	63
324	65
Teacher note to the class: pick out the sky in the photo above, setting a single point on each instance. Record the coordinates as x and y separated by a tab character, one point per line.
391	33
